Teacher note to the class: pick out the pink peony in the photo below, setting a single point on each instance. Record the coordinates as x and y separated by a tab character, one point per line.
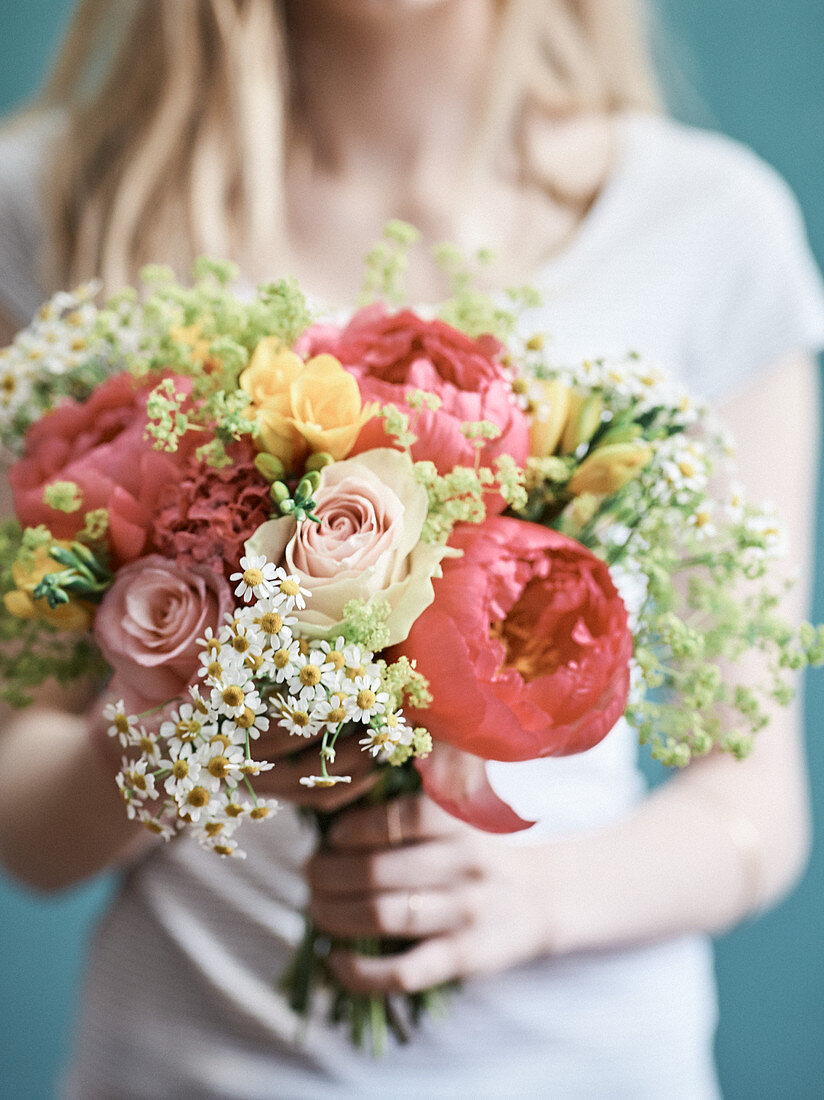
391	354
208	514
526	646
99	445
149	621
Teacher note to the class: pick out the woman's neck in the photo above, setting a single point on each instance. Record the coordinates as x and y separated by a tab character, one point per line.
394	95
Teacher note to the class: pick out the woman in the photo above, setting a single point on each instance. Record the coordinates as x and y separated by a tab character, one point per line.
286	134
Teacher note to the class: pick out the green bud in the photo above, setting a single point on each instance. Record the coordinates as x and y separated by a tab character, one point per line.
319	460
269	467
307	484
620	432
279	492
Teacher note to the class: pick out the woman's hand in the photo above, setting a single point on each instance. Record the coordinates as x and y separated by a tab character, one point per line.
470	903
296	758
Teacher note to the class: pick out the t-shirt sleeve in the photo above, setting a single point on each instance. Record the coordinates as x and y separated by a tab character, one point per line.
761	294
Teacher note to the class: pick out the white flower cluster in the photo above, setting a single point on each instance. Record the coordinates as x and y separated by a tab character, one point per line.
38	366
253	669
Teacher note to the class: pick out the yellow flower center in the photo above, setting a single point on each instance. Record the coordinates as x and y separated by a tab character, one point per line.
240	643
223	849
187	729
336	659
234	809
281	658
366	699
252	577
233	695
213	646
147	745
337	714
300	718
259	812
180	769
310	675
247	719
253	662
686	468
270	622
153	826
290	587
215	669
201	707
218	766
355	671
121	723
198	797
138	780
213	828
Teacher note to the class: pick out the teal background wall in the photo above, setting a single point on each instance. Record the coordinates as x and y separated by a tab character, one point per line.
753	70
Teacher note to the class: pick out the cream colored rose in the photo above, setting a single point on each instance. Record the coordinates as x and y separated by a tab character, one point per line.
367	544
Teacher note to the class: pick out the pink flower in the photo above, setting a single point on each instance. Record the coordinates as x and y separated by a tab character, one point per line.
391	354
208	514
366	546
526	648
149	621
99	445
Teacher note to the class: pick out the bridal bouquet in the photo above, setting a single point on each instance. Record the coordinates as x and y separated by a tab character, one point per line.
418	531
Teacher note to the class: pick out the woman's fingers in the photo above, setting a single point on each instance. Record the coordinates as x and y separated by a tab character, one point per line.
435	864
434	961
392	824
284	780
399	913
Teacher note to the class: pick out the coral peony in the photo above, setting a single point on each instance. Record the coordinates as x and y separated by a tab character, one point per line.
99	446
149	621
209	513
526	646
391	354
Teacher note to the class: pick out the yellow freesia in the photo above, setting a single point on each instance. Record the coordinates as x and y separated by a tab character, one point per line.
549	419
609	468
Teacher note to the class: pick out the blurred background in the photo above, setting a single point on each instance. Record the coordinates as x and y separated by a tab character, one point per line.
753	71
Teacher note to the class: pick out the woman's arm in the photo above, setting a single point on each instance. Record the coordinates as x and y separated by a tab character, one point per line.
719	840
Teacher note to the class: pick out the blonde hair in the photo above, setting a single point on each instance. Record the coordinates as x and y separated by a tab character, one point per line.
178	121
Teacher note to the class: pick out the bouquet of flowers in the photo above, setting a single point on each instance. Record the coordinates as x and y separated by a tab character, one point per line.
417	531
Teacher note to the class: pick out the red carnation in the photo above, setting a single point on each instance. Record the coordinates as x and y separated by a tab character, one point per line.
210	512
391	354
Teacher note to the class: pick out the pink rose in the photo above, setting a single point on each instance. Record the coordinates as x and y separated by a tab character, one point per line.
149	621
99	445
366	546
391	354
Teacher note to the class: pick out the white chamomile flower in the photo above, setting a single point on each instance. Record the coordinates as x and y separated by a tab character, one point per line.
283	659
233	696
210	642
185	771
288	586
186	727
253	721
155	824
219	763
700	519
335	709
358	661
324	780
250	768
257	579
123	726
149	745
311	676
193	800
228	849
272	621
297	720
368	698
245	640
263	808
334	653
392	733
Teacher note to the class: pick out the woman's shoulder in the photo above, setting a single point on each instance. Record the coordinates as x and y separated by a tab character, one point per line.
721	183
25	143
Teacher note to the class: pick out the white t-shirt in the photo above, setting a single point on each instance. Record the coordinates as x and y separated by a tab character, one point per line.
694	255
